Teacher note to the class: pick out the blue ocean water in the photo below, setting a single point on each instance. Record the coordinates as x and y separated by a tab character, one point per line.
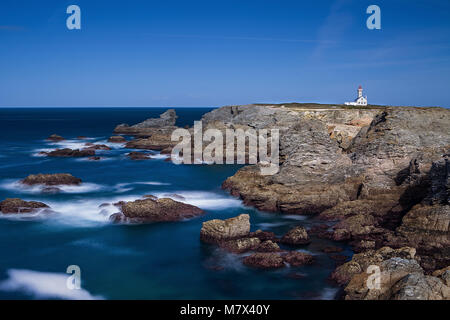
151	261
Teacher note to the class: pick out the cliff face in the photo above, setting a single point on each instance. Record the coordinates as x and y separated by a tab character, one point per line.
372	170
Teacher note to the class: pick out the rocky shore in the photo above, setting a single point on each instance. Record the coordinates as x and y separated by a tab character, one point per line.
380	175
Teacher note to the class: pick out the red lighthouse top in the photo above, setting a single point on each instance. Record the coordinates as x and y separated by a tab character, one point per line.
360	87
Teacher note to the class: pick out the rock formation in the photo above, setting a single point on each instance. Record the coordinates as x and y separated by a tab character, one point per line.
18	206
155	210
51	179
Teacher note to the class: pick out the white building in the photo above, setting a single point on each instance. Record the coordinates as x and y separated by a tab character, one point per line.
360	100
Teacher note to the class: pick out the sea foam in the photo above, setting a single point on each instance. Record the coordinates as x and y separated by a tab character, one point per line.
43	285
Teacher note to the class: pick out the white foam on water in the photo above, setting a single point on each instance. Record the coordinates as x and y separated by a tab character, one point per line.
328	294
37	152
17	186
294	217
202	199
71	144
159	156
269	225
42	285
85	212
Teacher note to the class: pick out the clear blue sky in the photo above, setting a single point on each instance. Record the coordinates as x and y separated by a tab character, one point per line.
219	52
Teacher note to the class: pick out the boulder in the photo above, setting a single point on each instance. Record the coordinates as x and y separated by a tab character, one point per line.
164	209
241	245
264	260
217	231
51	179
15	205
268	246
296	236
296	259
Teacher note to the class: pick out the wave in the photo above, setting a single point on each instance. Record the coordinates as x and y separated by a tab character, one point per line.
17	186
202	199
42	285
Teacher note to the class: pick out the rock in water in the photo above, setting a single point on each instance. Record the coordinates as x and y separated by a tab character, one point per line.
51	179
164	209
241	245
217	231
66	152
117	139
138	155
55	137
296	259
296	236
268	260
15	205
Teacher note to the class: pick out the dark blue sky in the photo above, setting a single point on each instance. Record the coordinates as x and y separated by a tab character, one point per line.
218	52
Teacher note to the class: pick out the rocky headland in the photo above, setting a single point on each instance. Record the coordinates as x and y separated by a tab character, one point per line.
378	175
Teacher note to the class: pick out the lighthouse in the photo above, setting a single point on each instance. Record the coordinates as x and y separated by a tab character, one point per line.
360	100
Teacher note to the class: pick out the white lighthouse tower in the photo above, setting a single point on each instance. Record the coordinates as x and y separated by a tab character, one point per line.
360	100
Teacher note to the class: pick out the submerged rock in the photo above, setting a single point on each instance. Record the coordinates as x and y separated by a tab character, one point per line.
164	209
18	206
51	179
55	137
217	231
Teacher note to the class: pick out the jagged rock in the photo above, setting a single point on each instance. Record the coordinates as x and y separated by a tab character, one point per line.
295	258
361	261
92	146
117	139
94	158
417	286
241	245
66	152
268	246
166	119
264	260
164	209
15	205
391	271
296	236
217	231
51	190
55	137
51	179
